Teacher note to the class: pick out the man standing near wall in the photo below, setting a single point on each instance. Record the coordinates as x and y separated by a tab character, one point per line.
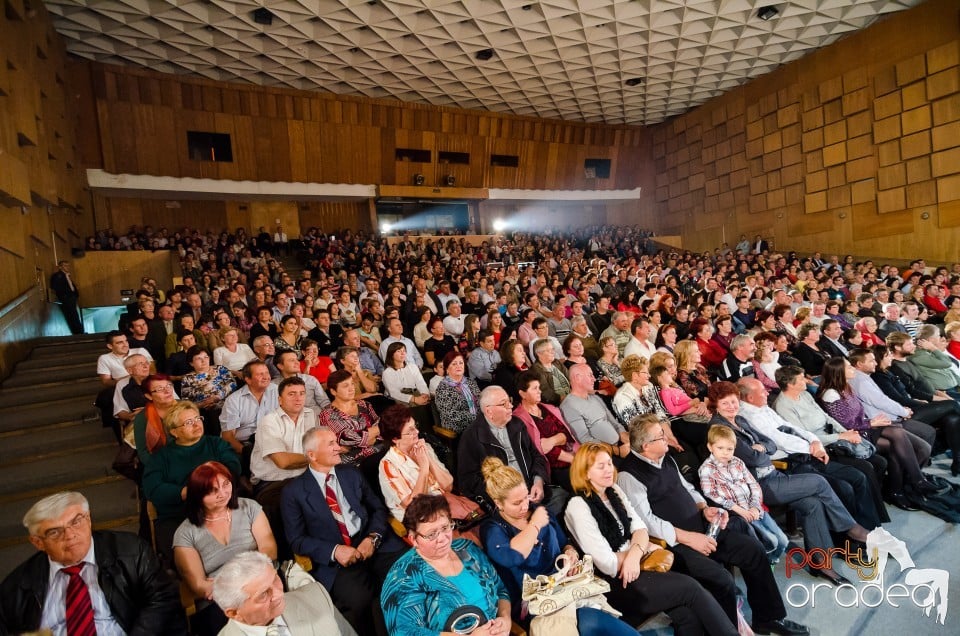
67	294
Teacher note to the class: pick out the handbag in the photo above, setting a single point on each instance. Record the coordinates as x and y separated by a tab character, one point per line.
657	560
464	512
845	448
127	462
573	583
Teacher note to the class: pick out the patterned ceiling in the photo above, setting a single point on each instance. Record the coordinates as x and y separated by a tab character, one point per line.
564	59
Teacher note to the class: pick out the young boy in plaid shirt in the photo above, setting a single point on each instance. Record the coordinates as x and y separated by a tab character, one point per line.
726	480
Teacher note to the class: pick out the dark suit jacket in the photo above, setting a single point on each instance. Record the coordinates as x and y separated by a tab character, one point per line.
828	347
311	529
327	344
408	314
59	285
142	599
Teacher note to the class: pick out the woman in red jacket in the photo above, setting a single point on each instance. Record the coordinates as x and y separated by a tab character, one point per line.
711	353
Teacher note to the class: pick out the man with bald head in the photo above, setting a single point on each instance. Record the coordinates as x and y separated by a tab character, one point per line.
588	416
498	433
805	453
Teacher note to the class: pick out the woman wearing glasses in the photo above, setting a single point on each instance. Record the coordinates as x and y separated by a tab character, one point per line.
443	584
411	468
165	477
148	431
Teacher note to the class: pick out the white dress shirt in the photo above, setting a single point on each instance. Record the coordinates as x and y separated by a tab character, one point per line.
768	422
54	616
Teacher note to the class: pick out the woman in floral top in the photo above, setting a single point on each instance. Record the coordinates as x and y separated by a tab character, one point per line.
354	421
638	396
609	362
207	387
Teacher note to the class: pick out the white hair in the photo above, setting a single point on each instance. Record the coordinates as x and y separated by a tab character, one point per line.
230	580
309	440
487	395
52	507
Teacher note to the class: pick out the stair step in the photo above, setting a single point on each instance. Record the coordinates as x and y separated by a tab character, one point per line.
30	377
50	391
88	467
69	360
74	409
58	340
49	439
53	351
108	501
53	452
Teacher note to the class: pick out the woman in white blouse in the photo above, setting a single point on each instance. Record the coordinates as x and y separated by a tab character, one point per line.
403	381
233	354
605	525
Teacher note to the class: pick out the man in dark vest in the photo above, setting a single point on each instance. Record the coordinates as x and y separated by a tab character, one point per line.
678	514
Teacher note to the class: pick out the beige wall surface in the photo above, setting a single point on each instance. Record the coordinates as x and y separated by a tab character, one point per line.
853	149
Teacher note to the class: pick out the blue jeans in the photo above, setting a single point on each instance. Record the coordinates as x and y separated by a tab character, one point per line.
772	538
593	621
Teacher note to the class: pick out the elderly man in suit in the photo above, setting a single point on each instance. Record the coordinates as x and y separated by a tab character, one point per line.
250	593
332	515
84	583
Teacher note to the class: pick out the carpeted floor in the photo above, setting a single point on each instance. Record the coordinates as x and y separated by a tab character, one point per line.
932	544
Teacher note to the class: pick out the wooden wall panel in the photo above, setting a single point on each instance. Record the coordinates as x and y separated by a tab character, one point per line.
337	215
101	275
287	135
43	208
845	149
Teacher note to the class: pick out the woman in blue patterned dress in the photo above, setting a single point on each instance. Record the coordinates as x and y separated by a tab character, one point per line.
443	584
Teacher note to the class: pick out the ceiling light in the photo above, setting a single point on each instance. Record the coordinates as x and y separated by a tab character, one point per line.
768	13
634	81
484	54
262	16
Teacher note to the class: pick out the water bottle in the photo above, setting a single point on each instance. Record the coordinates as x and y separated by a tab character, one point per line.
714	528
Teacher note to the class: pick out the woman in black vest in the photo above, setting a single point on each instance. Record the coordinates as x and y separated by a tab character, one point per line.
606	526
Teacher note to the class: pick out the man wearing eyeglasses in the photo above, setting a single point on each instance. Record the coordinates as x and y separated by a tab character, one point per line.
83	582
498	433
679	515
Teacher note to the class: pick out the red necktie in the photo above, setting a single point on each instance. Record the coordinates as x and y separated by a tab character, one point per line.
79	607
334	506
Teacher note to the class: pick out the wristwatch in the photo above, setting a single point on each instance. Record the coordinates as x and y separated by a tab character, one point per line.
377	539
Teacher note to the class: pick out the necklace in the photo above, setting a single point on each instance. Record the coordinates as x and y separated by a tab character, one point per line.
218	518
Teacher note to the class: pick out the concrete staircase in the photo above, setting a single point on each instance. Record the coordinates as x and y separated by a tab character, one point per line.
51	439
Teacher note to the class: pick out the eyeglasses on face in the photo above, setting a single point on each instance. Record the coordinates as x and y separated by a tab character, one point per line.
447	528
198	421
56	534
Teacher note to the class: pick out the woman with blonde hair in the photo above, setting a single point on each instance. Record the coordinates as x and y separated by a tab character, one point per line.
691	375
606	526
521	539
